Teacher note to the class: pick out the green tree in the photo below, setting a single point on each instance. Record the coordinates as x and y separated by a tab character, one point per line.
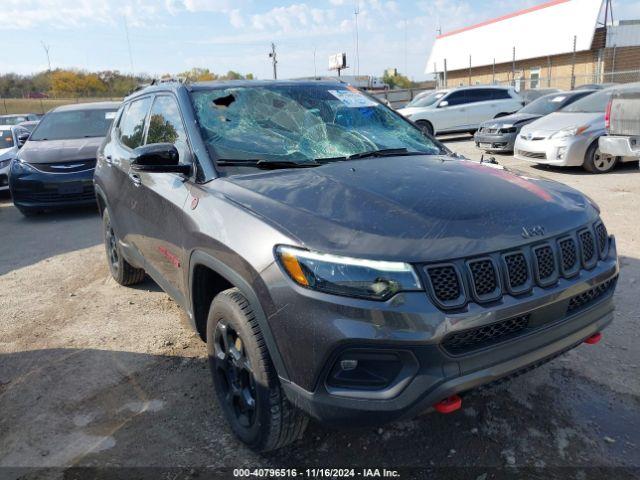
397	81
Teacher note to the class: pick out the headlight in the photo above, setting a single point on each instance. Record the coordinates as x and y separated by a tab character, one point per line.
569	132
346	276
21	166
4	163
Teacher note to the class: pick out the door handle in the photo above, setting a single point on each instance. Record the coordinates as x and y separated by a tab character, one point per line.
135	179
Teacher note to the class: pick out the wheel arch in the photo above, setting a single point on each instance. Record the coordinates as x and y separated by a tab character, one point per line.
209	276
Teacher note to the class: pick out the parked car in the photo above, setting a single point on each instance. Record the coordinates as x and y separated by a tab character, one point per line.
595	86
29	125
462	109
338	263
622	122
55	167
499	135
569	137
11	139
18	118
529	96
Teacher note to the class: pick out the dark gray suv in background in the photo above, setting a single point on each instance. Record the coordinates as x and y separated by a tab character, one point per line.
338	262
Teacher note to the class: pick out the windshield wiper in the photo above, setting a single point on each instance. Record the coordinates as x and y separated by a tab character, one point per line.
265	164
386	152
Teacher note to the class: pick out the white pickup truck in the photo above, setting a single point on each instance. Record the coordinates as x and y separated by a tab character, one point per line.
623	123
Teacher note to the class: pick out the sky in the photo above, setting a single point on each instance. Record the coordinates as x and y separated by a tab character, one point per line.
170	36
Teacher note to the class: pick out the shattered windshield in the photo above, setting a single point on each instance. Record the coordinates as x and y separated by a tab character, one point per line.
300	123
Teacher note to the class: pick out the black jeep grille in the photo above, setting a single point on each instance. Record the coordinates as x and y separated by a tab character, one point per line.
545	262
590	297
454	284
484	277
588	246
603	237
569	255
445	282
476	338
517	270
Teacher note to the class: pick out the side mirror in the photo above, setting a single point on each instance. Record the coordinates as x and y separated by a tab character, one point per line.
22	139
443	103
158	158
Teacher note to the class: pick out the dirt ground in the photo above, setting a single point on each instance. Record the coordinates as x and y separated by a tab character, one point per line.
93	374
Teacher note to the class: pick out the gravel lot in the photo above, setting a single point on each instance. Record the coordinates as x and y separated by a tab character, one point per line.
94	374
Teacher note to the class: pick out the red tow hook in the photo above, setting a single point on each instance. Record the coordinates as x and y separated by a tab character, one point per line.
593	339
449	405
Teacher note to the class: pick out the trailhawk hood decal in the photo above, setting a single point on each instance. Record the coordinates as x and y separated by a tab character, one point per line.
416	209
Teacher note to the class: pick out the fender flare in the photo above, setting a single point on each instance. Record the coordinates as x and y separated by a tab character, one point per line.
199	257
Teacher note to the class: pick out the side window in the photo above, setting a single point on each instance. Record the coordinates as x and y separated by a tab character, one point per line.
132	122
457	98
480	95
165	125
500	94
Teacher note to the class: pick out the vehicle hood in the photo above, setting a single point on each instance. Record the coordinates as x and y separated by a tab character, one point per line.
516	119
420	208
55	151
7	153
407	112
560	120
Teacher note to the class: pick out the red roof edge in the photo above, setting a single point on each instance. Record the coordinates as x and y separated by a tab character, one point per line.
505	17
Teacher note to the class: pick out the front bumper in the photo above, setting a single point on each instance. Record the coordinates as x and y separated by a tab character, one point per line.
566	152
619	146
326	326
32	188
498	142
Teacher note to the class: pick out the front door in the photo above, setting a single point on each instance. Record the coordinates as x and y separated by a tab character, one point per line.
161	200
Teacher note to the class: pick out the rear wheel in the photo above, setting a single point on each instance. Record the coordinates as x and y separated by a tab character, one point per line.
121	270
425	126
596	161
245	381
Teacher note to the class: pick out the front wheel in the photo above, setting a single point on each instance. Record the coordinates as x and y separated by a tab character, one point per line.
121	270
245	381
596	161
425	126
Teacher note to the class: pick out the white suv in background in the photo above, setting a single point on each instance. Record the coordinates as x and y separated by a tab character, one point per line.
461	109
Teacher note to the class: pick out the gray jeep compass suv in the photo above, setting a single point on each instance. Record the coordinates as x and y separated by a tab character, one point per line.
339	263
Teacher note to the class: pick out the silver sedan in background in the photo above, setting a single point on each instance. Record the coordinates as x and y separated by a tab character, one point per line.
569	137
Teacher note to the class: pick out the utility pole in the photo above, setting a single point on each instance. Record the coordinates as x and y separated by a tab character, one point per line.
513	68
274	60
406	67
356	13
46	50
469	70
126	31
315	70
573	63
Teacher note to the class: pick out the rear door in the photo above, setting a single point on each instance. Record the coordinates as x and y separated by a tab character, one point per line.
161	198
453	114
483	106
